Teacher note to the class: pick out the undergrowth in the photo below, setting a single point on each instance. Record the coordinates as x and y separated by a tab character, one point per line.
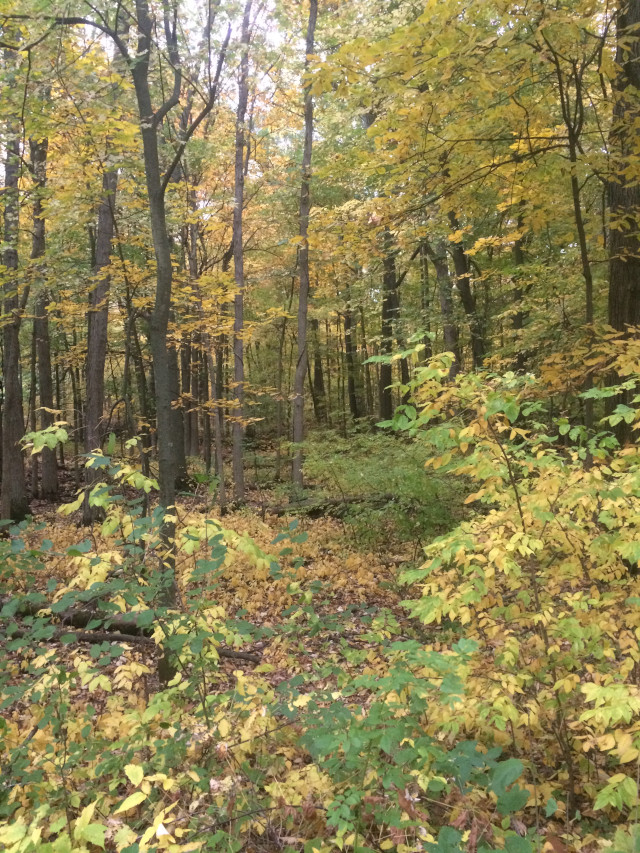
497	709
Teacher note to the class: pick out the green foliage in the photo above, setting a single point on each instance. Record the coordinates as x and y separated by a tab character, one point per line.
418	504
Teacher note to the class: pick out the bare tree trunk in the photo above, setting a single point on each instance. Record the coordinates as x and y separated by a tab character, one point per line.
14	502
238	263
368	384
41	339
389	282
425	303
33	403
449	327
319	394
98	330
463	282
303	258
352	393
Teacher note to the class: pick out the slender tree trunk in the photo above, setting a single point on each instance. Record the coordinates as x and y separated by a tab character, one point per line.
33	403
349	348
425	303
319	394
185	384
179	459
238	263
14	502
463	282
196	384
449	327
98	330
42	344
368	385
303	258
389	282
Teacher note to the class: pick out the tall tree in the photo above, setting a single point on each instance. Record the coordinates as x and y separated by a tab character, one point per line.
97	329
238	259
303	256
623	187
42	342
14	502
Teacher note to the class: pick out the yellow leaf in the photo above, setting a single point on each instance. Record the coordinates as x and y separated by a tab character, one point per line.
135	773
131	802
629	755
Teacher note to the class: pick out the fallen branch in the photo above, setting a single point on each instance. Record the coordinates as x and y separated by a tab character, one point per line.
121	627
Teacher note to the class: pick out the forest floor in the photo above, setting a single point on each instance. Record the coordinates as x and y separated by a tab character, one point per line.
346	559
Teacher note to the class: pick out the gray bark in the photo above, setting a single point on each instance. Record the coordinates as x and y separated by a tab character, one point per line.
237	431
303	257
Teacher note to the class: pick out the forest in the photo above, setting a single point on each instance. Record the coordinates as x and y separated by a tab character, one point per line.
320	398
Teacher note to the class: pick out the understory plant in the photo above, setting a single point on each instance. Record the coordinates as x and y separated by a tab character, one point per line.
342	753
543	579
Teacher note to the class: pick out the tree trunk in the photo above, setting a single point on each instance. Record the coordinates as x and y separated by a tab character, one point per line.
624	190
463	282
425	303
97	331
389	282
14	502
303	256
349	349
449	327
238	263
41	339
319	394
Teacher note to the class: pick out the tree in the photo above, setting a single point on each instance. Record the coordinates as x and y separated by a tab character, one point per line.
623	187
238	258
303	255
14	502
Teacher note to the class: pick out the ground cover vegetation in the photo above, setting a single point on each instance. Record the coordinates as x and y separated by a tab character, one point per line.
320	486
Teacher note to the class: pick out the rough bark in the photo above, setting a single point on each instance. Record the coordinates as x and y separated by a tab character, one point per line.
623	188
14	502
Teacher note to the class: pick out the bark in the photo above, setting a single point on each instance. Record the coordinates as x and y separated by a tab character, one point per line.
303	257
179	459
97	332
41	339
319	394
450	331
623	188
389	283
33	391
349	350
49	472
14	502
238	263
425	303
463	282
